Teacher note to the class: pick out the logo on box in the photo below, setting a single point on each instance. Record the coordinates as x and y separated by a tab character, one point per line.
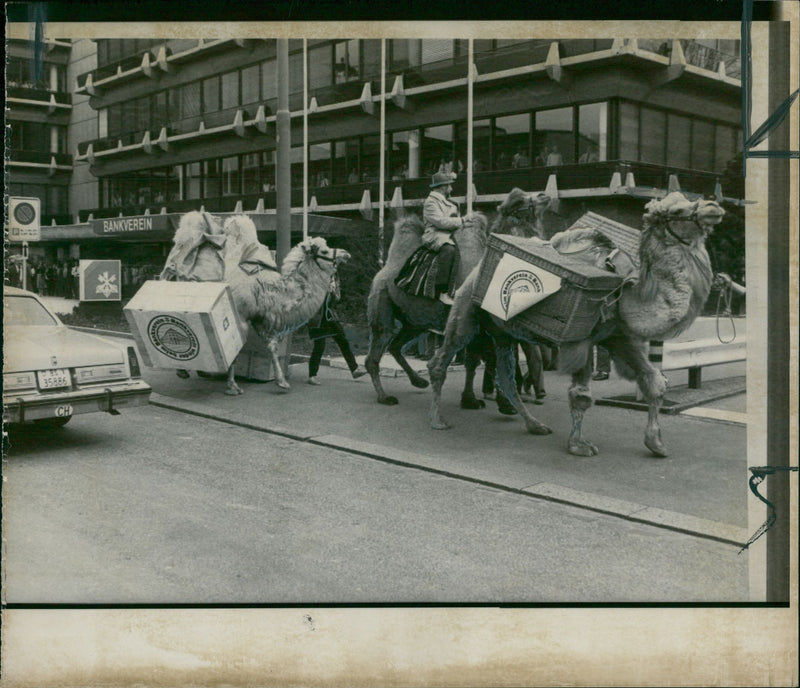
173	338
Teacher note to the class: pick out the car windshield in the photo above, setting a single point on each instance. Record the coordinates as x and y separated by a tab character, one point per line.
25	310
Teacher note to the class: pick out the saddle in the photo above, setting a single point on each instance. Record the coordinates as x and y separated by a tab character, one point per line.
418	275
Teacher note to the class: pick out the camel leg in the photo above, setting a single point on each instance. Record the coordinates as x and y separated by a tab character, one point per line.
378	342
580	401
506	365
535	376
406	334
232	389
280	378
651	382
472	359
437	367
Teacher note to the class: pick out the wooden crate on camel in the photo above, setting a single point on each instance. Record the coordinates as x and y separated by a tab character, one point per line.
556	296
186	325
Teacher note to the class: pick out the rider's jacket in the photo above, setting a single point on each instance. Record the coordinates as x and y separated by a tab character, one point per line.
440	216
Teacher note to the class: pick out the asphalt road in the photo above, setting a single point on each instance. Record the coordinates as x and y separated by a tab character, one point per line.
156	506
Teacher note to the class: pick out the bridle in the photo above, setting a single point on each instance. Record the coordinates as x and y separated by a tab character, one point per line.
317	257
691	218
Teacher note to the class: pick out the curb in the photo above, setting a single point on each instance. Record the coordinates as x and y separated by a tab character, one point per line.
724	533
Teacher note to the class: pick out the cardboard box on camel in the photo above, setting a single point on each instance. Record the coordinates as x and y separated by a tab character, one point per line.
186	325
553	295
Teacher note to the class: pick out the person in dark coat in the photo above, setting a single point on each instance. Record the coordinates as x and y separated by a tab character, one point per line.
326	325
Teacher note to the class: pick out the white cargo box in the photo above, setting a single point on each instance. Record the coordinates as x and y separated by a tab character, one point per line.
189	325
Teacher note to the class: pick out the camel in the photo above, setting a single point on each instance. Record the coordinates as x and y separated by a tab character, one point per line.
273	303
276	304
659	301
387	303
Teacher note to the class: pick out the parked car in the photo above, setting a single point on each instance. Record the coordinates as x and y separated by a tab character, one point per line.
52	372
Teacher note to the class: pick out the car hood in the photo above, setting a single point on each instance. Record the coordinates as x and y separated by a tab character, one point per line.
33	348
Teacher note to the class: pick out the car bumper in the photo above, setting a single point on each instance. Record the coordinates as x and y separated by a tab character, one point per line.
20	408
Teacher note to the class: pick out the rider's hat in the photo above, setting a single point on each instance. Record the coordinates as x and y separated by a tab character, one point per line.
442	178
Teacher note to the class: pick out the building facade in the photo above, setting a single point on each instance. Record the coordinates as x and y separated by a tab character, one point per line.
177	124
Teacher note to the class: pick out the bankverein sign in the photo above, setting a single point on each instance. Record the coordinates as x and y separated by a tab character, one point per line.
133	225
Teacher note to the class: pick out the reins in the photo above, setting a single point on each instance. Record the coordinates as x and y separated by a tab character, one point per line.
725	295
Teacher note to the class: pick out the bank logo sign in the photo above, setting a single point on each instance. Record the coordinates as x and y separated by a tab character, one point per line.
516	286
24	219
173	338
100	280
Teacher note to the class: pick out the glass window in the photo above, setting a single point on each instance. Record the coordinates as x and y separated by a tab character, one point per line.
592	132
268	171
345	162
371	158
213	178
211	94
129	117
192	187
230	176
436	49
230	90
437	149
653	125
371	51
702	145
295	72
725	139
401	158
679	137
114	119
346	55
319	165
190	100
628	131
61	139
320	66
269	86
174	184
555	136
398	53
250	84
251	164
511	137
142	107
160	110
481	145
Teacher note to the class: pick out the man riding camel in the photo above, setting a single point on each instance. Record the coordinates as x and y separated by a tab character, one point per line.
441	217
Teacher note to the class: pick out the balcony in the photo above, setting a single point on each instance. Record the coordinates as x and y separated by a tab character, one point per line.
33	157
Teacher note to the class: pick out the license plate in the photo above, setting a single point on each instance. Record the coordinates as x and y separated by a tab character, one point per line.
53	379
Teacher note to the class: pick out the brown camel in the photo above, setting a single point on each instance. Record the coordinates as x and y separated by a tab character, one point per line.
673	282
417	314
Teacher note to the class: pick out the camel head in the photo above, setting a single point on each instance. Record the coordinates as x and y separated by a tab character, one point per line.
683	221
327	258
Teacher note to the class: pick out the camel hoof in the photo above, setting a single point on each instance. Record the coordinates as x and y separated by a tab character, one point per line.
440	425
419	382
583	448
656	446
283	385
388	401
471	403
538	429
233	391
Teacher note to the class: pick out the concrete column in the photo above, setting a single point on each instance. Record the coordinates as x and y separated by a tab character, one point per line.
283	206
53	78
54	140
413	154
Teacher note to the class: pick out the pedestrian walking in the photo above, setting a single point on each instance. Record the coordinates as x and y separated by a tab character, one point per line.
326	325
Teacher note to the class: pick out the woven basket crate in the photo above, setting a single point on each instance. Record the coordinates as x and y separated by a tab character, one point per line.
572	312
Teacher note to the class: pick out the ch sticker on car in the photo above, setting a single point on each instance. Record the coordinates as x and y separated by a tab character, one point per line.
63	411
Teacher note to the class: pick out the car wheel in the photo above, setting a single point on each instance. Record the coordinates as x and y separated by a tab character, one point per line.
52	422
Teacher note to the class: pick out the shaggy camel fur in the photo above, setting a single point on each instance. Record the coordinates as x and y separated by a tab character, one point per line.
272	303
673	283
276	304
386	303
